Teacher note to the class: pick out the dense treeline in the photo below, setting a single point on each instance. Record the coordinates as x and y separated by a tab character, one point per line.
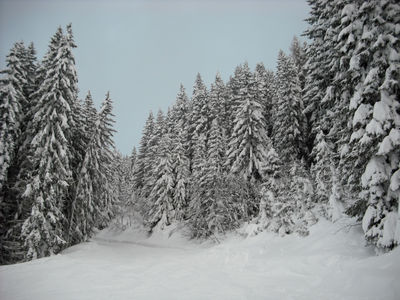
212	161
319	135
56	154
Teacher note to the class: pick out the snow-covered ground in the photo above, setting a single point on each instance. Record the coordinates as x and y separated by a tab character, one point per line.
331	263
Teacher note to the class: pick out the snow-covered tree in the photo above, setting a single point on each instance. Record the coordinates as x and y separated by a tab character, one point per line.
99	185
376	121
162	212
200	124
90	115
47	189
141	170
289	121
12	100
107	201
181	162
208	202
351	85
219	104
298	54
265	92
152	154
249	142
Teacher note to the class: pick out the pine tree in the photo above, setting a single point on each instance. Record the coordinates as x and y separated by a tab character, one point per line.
12	101
376	121
352	83
162	195
298	54
47	189
209	209
84	208
141	170
265	91
233	87
289	121
107	201
219	104
200	124
90	115
181	162
249	142
30	67
323	168
318	69
271	189
153	152
96	194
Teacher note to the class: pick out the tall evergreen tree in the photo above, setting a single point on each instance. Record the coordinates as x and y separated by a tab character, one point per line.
153	152
90	115
249	142
376	122
162	212
12	102
96	193
289	122
200	124
265	92
107	201
141	171
47	189
298	54
181	162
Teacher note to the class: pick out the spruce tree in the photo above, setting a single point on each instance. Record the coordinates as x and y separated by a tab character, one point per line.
107	202
200	124
249	142
96	193
12	101
141	170
265	91
162	212
11	115
181	162
376	122
289	122
219	104
209	207
153	151
90	115
298	54
47	189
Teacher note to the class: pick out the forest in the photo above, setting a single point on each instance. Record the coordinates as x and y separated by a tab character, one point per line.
319	137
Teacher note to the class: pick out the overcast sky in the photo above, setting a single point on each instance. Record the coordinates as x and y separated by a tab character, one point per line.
142	50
